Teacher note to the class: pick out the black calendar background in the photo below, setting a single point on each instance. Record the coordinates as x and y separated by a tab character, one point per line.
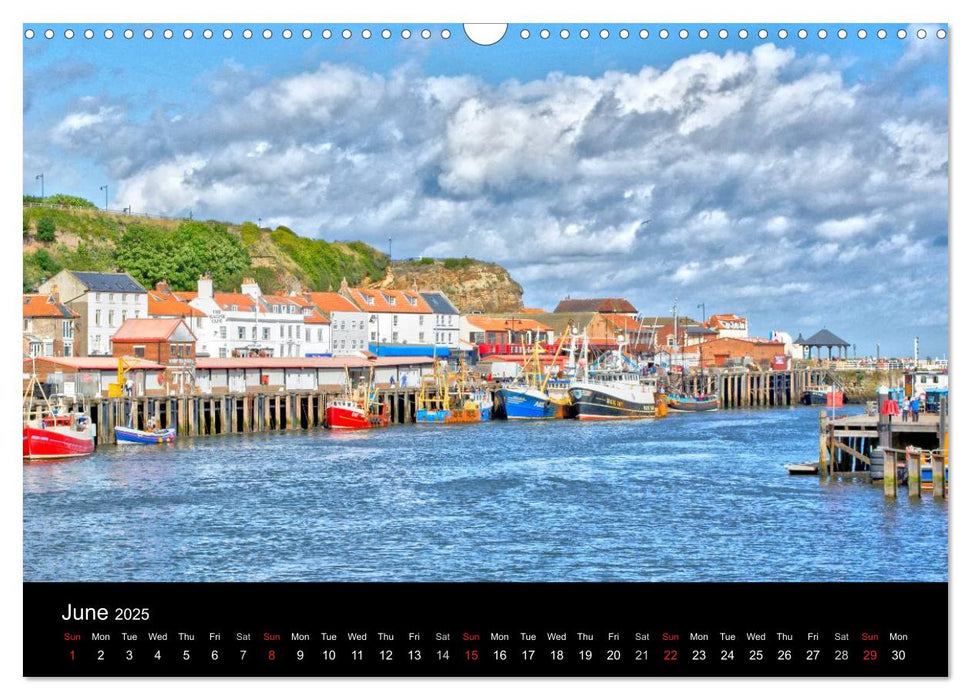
477	629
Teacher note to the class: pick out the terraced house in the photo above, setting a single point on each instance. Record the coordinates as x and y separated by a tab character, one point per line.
49	326
103	300
394	316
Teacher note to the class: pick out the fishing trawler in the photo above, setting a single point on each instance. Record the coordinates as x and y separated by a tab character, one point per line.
613	387
451	398
534	395
54	432
357	409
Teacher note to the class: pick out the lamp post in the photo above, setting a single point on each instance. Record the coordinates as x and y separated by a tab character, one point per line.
704	316
41	178
389	248
105	188
259	222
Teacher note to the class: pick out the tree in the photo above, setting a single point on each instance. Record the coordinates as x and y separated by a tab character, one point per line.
45	230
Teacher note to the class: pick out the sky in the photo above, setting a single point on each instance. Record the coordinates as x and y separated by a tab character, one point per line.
800	182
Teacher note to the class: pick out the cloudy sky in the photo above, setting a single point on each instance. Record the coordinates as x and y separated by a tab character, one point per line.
800	182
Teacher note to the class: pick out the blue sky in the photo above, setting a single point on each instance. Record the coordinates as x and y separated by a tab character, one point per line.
800	182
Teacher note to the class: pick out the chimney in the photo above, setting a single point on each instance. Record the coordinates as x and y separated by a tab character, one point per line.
162	287
54	296
250	287
205	287
345	290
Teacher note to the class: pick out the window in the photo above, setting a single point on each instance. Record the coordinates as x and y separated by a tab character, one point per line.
394	320
97	296
289	331
124	315
234	307
374	336
343	344
68	349
421	337
276	308
198	320
175	350
139	350
411	300
67	329
253	333
308	335
111	297
281	331
394	337
188	350
369	299
342	325
241	333
222	332
266	332
222	352
97	317
421	320
111	318
137	313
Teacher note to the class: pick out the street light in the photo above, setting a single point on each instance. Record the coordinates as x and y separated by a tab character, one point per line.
105	188
41	178
389	248
704	316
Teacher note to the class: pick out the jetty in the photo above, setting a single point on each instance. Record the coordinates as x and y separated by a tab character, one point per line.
886	447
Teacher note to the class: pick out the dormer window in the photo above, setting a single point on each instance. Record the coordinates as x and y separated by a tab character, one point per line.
234	307
369	299
411	300
391	300
276	308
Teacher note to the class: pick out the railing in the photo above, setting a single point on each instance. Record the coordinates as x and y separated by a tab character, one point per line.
124	212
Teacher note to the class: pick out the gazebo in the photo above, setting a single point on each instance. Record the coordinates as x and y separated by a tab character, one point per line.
822	339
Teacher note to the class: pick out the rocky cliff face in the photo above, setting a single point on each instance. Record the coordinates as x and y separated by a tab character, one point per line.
470	284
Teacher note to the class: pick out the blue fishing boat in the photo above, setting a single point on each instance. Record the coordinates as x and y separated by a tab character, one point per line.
534	394
127	434
452	399
685	403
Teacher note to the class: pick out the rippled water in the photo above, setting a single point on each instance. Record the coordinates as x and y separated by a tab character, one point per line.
688	498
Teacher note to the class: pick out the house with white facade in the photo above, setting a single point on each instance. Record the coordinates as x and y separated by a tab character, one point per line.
348	324
729	325
103	301
447	327
395	316
248	324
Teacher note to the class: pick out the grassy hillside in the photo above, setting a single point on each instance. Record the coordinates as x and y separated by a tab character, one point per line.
177	250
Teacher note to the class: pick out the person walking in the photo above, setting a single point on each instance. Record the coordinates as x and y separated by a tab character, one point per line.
915	408
904	408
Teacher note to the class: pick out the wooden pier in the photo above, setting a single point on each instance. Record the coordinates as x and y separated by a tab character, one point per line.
743	388
883	445
196	416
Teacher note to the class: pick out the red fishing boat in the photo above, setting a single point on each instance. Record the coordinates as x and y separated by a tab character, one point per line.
345	413
356	410
53	432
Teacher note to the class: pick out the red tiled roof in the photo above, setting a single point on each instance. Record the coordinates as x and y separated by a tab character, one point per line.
169	304
43	306
147	329
305	362
605	305
381	303
243	302
623	322
487	323
331	301
93	363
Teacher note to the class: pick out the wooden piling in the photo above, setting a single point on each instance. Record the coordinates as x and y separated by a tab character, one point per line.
937	474
890	474
913	475
822	443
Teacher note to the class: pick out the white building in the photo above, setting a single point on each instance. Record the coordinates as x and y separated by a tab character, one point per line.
104	300
729	325
447	323
246	323
348	324
395	316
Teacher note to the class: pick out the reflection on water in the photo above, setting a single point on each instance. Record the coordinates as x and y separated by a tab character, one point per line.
688	498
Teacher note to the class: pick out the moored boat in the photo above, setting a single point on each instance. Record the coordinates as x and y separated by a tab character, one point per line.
451	398
127	434
54	432
345	413
614	389
356	409
830	396
685	403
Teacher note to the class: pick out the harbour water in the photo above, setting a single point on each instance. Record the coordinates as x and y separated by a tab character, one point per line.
702	497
